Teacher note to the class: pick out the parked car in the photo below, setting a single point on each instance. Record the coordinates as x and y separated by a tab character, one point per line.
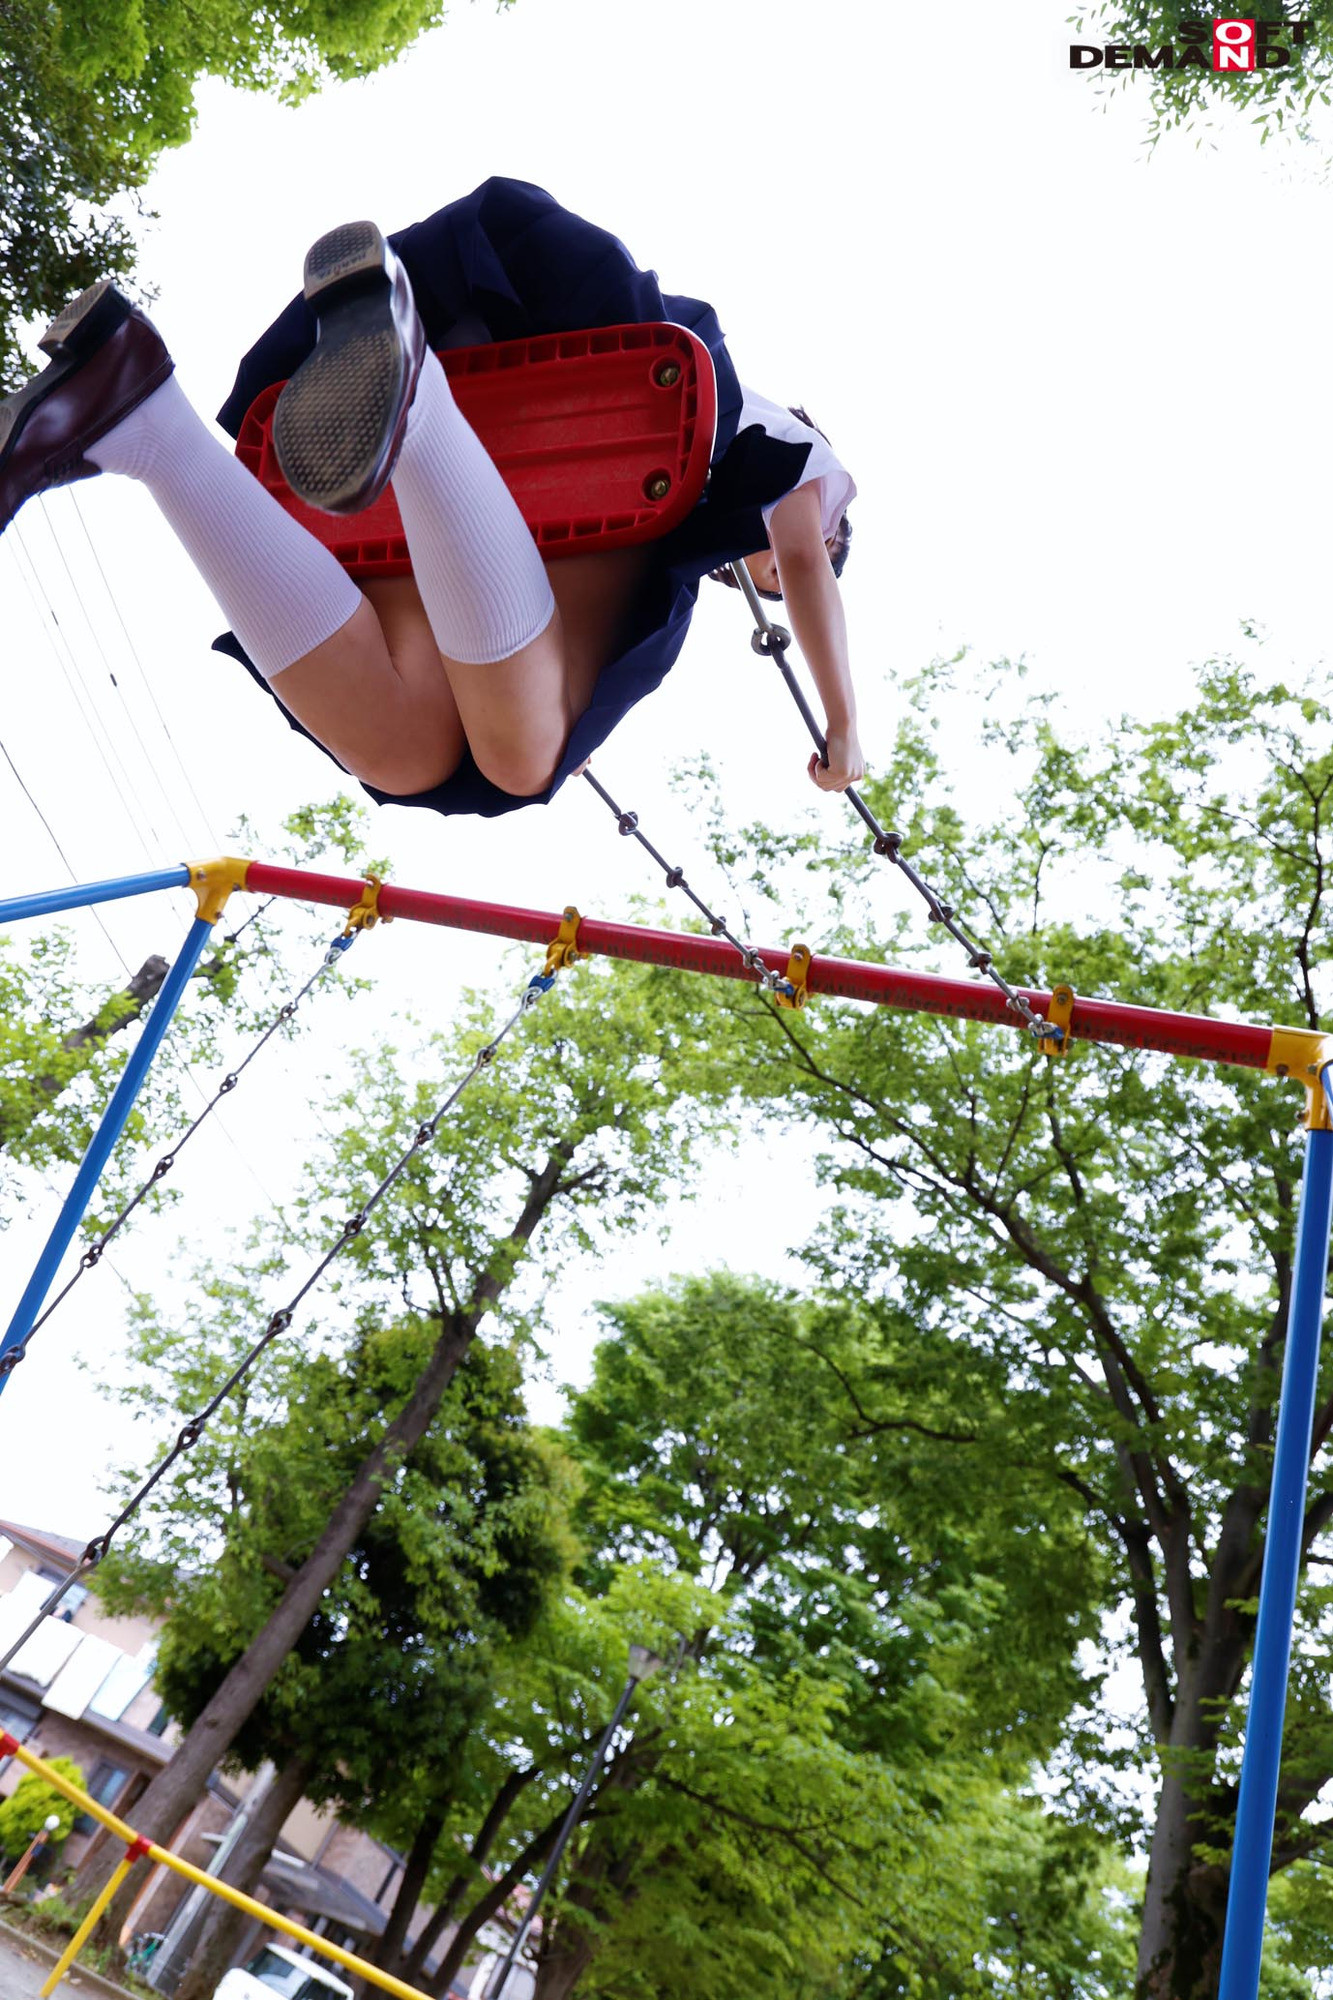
274	1969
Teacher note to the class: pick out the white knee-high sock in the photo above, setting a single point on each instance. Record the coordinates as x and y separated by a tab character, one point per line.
280	589
476	565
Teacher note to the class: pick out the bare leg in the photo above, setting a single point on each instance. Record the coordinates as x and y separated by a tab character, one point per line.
376	694
518	713
516	651
397	713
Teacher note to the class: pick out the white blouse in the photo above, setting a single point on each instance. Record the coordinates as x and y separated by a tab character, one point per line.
837	488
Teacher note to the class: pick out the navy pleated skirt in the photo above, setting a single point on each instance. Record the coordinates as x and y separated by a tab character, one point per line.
506	262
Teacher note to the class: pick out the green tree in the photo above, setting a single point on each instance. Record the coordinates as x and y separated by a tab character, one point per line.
582	1121
95	91
826	1755
31	1803
40	1056
490	1816
461	1555
872	1660
1111	1233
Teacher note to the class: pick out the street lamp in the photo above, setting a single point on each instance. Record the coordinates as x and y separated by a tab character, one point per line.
643	1664
38	1841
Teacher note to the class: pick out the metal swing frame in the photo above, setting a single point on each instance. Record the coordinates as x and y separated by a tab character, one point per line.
794	975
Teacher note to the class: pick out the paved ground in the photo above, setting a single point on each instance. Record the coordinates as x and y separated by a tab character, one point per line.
26	1965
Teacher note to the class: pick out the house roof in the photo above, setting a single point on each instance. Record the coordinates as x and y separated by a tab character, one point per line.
297	1884
42	1542
292	1883
152	1749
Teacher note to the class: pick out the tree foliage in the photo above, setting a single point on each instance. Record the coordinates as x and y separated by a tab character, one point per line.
1285	98
577	1123
872	1660
1106	1239
65	1039
461	1553
95	90
32	1802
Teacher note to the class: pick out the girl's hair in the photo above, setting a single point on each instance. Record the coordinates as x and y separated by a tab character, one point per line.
842	536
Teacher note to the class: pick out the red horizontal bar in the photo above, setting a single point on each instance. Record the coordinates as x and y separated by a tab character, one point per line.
1111	1021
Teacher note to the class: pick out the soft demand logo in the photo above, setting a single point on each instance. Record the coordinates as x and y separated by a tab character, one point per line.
1234	44
1230	44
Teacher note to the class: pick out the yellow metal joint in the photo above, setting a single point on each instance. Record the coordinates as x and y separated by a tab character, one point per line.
1058	1015
214	881
564	946
798	978
365	914
1304	1054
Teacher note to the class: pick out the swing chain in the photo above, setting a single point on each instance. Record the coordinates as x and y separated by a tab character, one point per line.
93	1254
772	642
232	936
751	958
193	1428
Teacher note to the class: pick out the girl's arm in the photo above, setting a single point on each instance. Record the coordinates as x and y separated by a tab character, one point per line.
814	605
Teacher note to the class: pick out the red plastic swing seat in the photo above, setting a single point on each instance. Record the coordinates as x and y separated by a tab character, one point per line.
603	437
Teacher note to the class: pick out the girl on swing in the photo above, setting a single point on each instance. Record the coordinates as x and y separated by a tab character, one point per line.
484	680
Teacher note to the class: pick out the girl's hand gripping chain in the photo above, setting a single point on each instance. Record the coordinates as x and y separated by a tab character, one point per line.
798	565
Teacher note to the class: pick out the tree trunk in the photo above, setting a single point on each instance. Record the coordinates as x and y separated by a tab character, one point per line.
1184	1907
495	1899
180	1782
412	1965
597	1884
390	1946
559	1975
222	1925
129	1004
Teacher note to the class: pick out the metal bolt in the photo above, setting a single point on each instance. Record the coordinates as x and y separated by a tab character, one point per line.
657	485
667	374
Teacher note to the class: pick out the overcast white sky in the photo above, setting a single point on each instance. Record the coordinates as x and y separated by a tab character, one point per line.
1074	384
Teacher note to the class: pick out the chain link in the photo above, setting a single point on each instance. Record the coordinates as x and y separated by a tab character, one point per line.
93	1254
772	642
253	918
193	1428
772	982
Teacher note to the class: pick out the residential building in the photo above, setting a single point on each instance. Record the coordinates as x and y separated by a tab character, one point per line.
82	1687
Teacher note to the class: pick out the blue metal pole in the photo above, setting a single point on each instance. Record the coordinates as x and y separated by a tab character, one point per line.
47	902
156	1023
1243	1945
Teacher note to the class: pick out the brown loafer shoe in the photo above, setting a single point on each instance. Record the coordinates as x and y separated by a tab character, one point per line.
106	357
339	422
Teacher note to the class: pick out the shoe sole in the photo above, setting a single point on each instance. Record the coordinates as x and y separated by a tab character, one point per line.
336	421
72	336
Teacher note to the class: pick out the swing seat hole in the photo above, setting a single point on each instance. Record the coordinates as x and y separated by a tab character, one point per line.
667	374
657	485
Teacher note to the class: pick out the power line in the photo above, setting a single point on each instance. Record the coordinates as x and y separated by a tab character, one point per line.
126	710
143	673
46	612
94	912
51	625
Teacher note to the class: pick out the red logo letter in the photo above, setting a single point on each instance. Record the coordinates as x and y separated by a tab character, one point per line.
1233	44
